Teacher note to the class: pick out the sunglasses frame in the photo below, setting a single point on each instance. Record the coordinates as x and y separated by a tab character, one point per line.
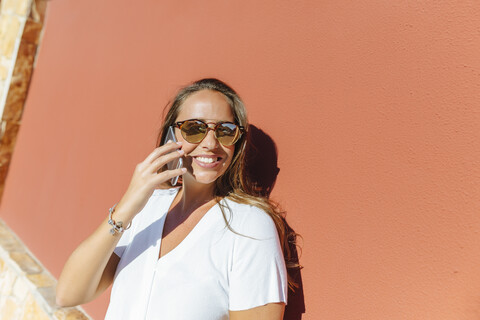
241	129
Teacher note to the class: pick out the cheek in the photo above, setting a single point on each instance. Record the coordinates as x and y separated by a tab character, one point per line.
187	147
230	153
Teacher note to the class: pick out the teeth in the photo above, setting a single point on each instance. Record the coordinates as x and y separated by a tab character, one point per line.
205	160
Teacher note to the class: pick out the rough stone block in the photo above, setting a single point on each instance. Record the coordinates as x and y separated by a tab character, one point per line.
11	244
3	171
31	31
5	231
25	262
39	7
5	237
19	7
20	81
70	314
23	7
41	280
3	72
10	27
5	156
20	289
10	310
3	174
8	6
10	136
16	97
8	282
2	187
33	311
48	293
24	63
4	21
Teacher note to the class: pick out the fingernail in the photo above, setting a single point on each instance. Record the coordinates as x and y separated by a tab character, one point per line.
179	143
169	141
181	151
184	169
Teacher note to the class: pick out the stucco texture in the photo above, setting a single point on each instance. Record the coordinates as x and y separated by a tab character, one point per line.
373	107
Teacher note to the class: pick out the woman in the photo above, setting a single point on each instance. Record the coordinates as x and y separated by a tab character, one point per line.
210	249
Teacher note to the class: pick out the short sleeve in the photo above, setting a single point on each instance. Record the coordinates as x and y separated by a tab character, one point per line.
258	274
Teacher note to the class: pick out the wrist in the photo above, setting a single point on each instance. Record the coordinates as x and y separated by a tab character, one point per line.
118	224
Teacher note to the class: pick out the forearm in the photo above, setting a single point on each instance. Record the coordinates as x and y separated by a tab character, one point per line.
84	270
91	267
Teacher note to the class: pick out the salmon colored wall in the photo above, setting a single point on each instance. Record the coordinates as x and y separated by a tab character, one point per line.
373	106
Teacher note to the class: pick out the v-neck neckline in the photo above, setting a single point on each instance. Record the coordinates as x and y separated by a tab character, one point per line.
188	237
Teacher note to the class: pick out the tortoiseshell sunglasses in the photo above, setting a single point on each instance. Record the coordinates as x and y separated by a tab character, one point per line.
195	130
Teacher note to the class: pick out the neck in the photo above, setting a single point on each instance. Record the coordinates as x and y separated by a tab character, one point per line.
193	194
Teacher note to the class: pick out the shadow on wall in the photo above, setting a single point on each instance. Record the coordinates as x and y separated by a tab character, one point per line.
261	170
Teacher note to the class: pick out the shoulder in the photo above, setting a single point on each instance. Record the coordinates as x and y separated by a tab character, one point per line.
249	220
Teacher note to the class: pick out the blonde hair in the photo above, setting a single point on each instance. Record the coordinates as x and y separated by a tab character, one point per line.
234	184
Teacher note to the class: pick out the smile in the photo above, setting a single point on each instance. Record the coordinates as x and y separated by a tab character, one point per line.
207	161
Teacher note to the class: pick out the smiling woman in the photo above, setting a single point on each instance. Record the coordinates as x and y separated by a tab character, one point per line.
207	159
207	249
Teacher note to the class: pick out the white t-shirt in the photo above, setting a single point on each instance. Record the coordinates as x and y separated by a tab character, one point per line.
212	271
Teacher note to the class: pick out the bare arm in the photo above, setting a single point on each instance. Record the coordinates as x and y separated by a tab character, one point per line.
271	311
91	267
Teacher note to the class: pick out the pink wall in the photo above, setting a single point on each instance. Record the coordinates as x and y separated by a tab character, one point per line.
373	106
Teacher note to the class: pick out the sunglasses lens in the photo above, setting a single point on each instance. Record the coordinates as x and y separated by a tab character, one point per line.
227	133
193	131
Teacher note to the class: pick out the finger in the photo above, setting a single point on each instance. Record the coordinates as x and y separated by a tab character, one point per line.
164	159
166	148
168	174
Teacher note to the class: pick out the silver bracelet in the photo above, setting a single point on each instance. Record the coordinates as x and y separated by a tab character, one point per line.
117	226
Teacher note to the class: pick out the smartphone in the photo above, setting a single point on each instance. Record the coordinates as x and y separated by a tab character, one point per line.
177	163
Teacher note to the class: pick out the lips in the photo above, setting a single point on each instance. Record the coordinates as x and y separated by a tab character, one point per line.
207	161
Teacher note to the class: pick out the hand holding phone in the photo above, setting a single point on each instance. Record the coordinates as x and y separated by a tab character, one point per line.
177	163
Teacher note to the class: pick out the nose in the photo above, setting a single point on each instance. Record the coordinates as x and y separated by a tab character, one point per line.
210	141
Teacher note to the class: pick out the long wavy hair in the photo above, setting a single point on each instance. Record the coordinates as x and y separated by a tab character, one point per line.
234	184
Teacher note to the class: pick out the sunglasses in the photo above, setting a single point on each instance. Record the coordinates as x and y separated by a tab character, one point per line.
194	131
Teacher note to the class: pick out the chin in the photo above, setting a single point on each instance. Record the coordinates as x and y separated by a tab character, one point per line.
205	178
